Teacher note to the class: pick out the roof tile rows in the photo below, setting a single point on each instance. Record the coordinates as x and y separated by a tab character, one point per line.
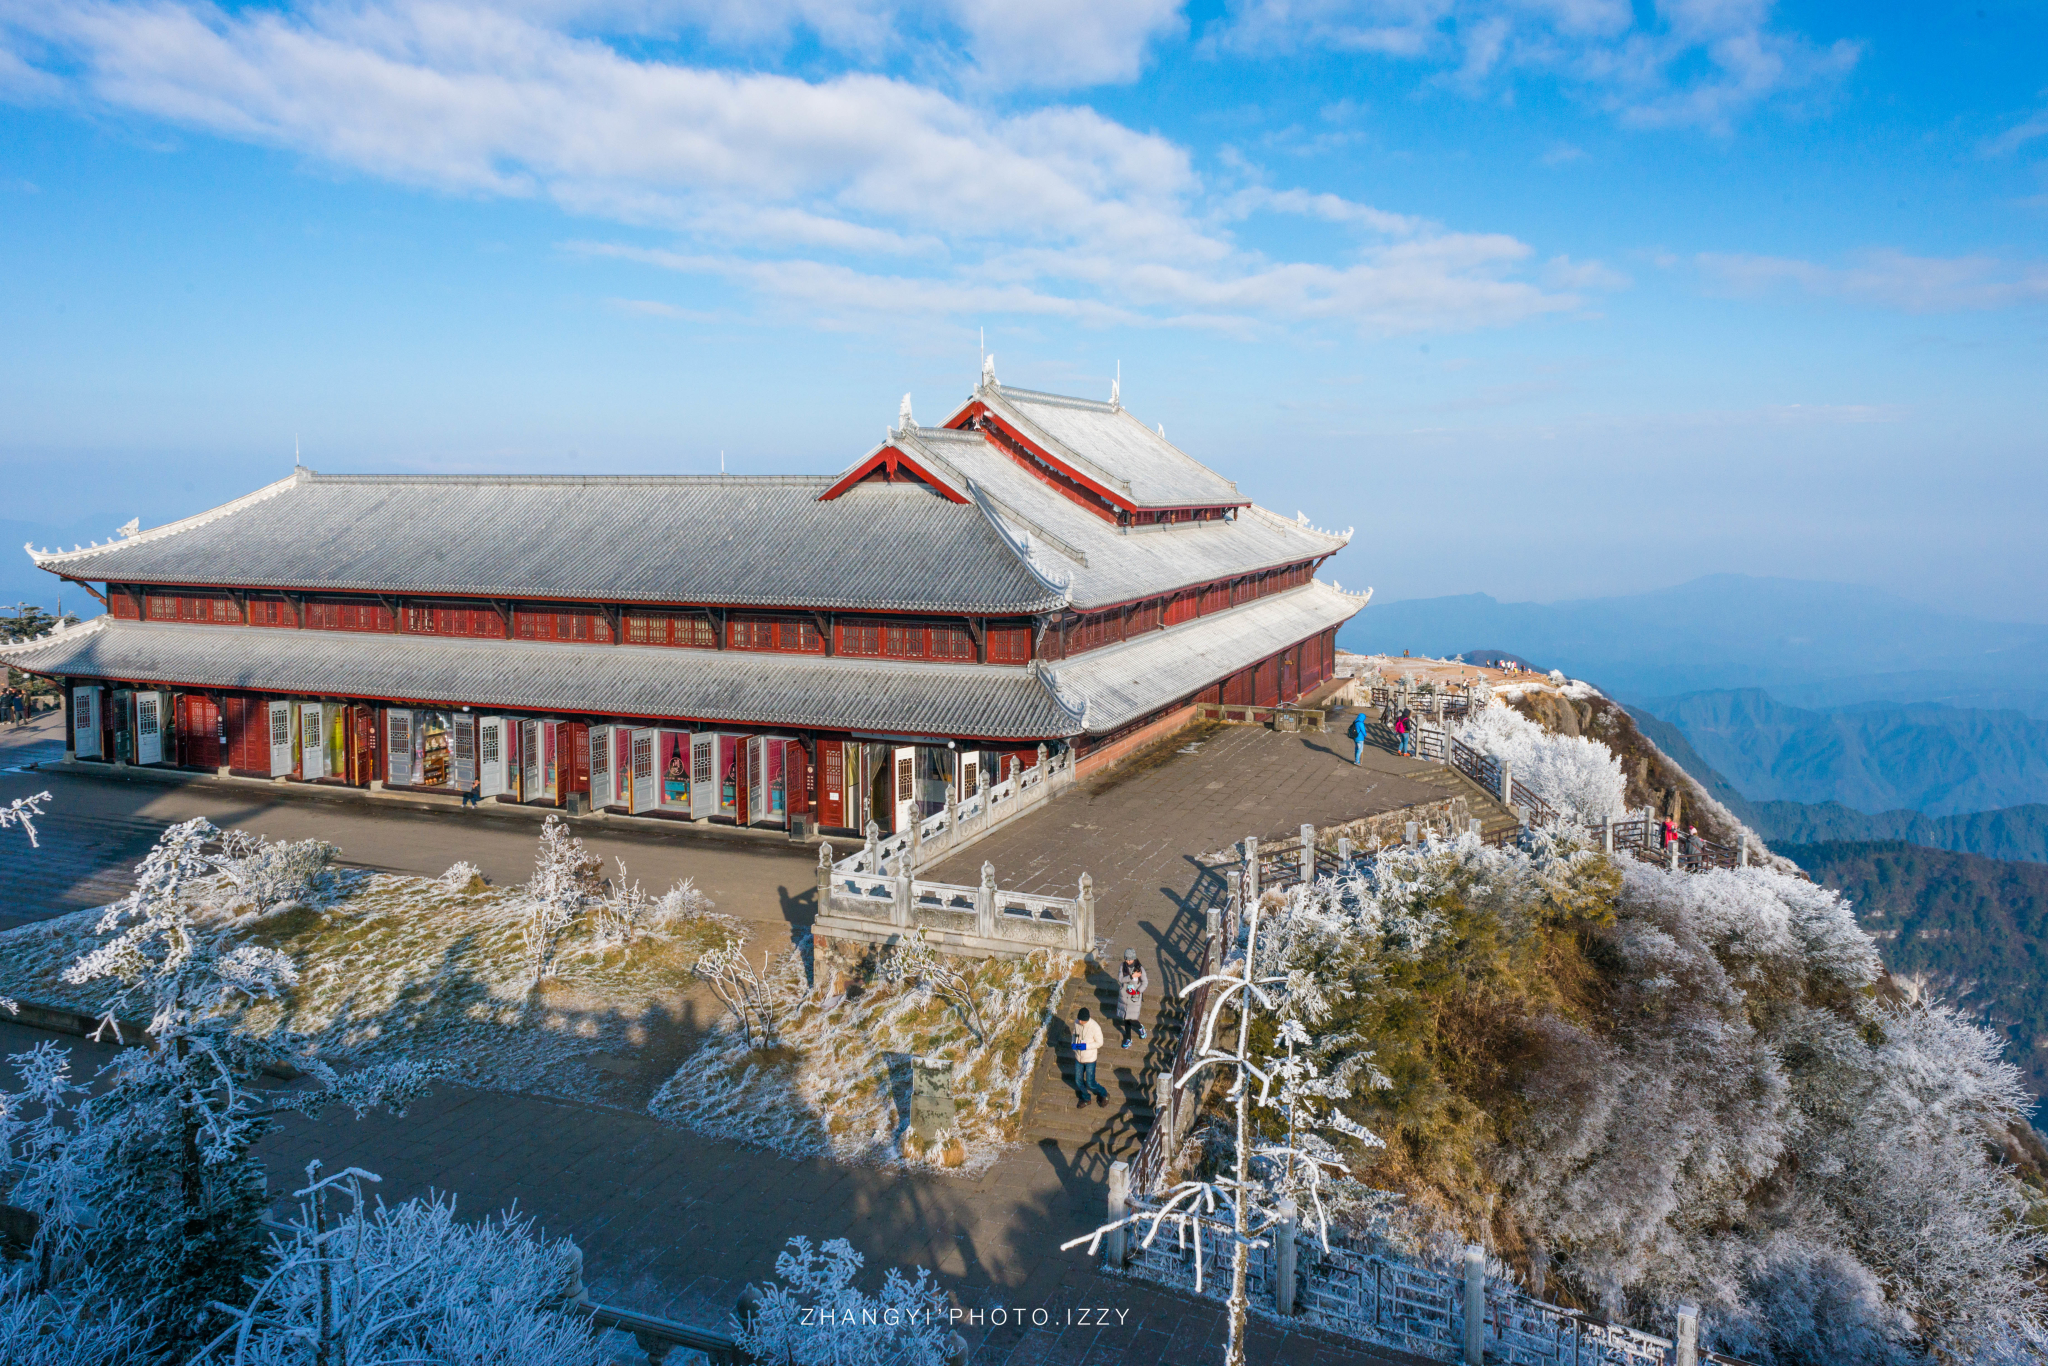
1094	693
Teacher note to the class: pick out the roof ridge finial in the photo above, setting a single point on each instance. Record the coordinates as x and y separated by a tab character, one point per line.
904	421
988	371
1116	387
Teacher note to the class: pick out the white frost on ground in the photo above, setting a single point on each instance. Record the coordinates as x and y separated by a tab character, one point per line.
838	1084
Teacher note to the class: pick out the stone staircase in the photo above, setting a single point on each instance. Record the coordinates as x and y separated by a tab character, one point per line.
1095	1135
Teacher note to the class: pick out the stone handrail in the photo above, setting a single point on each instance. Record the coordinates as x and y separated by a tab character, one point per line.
980	921
963	820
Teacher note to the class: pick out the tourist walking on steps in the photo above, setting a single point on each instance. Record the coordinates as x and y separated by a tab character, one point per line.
1130	997
1087	1043
1360	730
1404	732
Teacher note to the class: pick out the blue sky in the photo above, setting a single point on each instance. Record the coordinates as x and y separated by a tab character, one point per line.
1546	297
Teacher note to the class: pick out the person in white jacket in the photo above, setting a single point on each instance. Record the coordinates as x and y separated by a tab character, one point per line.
1087	1043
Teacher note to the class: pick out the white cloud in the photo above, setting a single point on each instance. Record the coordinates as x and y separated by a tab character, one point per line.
2019	135
857	192
1697	63
1889	279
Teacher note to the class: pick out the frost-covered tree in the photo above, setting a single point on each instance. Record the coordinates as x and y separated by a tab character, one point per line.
407	1283
817	1316
1580	777
169	1194
271	872
564	884
1266	1180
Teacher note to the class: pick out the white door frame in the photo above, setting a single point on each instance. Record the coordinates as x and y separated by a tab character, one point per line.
85	719
703	774
490	755
312	741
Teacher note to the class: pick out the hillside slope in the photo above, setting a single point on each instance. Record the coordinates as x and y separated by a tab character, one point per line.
1975	928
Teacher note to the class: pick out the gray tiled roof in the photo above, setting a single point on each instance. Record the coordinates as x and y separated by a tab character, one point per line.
1100	562
795	691
1121	682
1107	687
690	539
1105	440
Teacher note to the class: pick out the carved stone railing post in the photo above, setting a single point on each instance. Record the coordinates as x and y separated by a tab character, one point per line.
1607	838
1742	850
1507	783
1251	871
906	895
1084	916
985	902
1688	1344
824	877
872	860
1283	1261
1475	1305
1119	1207
1308	855
952	814
1343	853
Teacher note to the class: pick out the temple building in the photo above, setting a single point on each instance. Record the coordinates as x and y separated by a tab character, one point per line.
1037	574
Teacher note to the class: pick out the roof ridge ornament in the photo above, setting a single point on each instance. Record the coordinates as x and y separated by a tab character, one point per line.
988	372
1116	388
904	421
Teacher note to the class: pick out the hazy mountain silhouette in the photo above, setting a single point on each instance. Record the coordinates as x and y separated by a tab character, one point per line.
1820	644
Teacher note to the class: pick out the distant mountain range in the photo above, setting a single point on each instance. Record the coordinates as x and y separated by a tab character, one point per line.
1811	644
1874	756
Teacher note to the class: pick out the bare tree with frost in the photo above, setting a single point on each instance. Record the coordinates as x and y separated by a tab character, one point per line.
24	812
757	999
937	978
1268	1178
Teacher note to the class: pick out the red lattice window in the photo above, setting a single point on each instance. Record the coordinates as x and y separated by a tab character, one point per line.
750	633
802	637
948	642
1009	645
860	638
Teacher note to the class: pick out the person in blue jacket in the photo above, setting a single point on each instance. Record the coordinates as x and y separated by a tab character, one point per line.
1358	737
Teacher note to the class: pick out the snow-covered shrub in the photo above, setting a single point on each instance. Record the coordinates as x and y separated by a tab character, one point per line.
80	1324
627	913
937	977
463	876
1580	777
817	1316
270	872
408	1283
